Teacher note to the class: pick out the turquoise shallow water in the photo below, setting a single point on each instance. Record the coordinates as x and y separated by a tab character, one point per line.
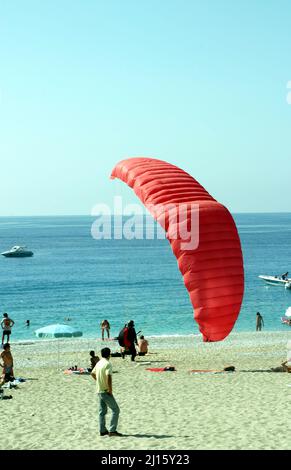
72	275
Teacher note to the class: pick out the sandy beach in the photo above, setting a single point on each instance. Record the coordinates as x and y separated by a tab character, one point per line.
246	409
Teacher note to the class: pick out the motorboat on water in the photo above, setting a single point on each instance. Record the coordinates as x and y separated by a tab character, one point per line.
277	280
17	252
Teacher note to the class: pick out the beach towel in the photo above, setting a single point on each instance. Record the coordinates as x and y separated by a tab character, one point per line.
161	369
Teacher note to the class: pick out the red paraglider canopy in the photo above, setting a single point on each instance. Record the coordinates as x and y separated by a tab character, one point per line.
213	268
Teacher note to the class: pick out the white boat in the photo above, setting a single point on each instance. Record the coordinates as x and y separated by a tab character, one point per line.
277	281
17	252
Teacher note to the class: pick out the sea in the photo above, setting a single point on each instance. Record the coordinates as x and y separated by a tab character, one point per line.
76	279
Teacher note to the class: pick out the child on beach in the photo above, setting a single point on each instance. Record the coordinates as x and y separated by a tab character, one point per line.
93	360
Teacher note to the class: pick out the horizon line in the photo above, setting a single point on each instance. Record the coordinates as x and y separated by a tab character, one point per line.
90	215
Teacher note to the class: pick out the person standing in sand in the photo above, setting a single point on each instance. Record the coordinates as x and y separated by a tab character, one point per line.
6	324
102	374
105	326
7	359
130	340
259	322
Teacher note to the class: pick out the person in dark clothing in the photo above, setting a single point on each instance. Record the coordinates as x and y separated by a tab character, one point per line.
130	339
93	359
259	322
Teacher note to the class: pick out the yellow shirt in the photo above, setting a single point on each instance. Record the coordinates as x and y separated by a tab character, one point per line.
102	369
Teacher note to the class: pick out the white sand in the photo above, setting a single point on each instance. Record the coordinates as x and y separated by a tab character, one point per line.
166	411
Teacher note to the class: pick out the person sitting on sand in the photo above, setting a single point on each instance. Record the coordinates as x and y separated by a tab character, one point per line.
93	360
7	365
105	326
285	367
142	345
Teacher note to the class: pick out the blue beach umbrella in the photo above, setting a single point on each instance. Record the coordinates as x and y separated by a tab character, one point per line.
58	331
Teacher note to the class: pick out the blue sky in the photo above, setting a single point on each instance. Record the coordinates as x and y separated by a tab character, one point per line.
200	84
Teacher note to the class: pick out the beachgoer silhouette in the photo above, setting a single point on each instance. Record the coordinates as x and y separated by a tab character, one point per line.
259	322
93	360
